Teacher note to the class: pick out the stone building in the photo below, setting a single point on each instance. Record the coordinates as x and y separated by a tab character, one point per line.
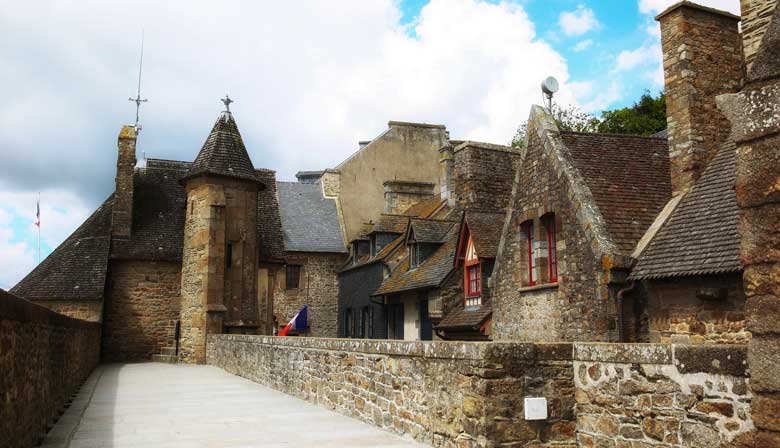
183	249
315	250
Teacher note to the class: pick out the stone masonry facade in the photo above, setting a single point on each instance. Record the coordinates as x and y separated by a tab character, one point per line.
576	308
141	309
446	394
91	310
318	287
662	396
44	359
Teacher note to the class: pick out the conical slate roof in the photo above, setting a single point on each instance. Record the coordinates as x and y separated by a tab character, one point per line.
223	154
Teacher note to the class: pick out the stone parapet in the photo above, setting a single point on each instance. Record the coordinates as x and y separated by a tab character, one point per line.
448	394
44	358
662	395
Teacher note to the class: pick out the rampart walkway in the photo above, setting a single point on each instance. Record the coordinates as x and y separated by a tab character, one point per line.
159	405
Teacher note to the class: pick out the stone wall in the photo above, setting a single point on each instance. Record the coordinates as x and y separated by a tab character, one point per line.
482	175
696	310
318	288
576	307
449	394
400	194
91	310
44	358
653	395
141	309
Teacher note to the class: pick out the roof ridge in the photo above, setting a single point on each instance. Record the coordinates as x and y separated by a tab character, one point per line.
614	134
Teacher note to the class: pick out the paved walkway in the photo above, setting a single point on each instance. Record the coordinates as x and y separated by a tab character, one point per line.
161	405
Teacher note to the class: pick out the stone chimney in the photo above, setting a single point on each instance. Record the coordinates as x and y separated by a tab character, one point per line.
122	210
756	15
331	183
447	175
702	57
400	195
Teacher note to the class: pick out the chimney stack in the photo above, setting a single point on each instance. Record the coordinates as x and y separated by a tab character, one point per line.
122	210
702	57
446	174
401	194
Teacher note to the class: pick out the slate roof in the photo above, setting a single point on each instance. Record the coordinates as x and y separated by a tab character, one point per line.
628	177
485	228
466	318
76	269
701	236
431	273
269	220
427	208
391	224
429	230
159	208
310	222
223	153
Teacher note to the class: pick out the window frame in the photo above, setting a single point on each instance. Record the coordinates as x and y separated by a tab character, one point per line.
533	275
552	250
414	255
287	277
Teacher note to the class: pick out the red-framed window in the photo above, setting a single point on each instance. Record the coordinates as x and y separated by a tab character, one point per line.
473	280
532	268
552	252
472	275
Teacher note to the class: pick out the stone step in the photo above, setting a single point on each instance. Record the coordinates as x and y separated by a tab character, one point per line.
165	358
168	351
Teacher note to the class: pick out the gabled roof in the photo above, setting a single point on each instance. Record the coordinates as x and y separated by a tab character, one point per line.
310	221
628	177
466	318
223	154
77	267
429	274
428	230
701	236
485	230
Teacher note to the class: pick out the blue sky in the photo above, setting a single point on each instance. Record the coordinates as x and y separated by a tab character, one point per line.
310	78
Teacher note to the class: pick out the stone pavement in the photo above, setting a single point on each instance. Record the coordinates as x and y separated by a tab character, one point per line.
161	405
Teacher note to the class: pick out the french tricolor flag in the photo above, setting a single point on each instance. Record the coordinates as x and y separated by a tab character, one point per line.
298	322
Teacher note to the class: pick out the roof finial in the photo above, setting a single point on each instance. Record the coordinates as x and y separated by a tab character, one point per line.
226	101
137	100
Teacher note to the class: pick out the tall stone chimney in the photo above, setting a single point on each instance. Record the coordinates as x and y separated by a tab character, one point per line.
702	57
122	210
756	15
447	174
400	194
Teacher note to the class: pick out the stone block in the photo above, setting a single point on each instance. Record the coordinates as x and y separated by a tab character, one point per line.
763	359
766	412
724	360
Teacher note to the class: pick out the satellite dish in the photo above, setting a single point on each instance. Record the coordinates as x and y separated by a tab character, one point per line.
549	86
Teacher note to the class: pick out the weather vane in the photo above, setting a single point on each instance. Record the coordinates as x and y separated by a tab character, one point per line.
137	100
226	101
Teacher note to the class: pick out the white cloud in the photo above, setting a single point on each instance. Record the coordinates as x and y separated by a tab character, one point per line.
310	79
656	6
582	45
596	96
578	22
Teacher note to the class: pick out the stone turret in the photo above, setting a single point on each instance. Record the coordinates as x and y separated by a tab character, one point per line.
122	210
702	52
219	262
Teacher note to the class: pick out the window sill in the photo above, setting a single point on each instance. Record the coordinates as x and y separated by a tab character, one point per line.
538	287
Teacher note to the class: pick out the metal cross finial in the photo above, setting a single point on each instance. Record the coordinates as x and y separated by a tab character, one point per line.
137	100
226	101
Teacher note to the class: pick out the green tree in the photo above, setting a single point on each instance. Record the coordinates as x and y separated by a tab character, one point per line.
570	118
647	116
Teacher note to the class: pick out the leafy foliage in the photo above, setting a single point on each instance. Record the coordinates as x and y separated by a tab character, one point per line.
645	117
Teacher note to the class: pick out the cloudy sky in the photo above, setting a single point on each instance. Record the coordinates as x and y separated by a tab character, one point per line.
310	79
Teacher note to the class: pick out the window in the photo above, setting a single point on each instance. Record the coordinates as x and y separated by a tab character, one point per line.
348	323
473	285
293	276
229	255
414	255
552	252
532	272
368	322
373	246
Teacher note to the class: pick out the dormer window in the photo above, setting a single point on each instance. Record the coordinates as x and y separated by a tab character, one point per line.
472	271
414	255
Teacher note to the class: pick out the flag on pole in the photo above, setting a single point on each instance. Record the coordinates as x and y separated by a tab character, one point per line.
38	213
298	322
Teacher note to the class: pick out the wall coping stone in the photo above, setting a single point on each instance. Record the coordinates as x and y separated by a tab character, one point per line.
716	359
15	308
481	351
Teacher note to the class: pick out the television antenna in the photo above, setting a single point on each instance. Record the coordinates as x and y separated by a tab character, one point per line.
549	87
137	100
